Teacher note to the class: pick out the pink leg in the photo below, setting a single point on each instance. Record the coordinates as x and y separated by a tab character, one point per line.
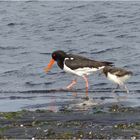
71	84
86	80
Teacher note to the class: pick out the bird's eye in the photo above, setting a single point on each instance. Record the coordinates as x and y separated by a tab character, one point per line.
54	55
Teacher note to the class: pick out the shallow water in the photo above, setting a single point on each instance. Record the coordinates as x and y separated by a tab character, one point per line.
30	31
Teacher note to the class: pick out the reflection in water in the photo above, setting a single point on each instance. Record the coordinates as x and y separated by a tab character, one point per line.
55	100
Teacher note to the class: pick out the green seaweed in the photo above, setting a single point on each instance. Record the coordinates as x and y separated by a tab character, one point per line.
66	135
13	115
2	129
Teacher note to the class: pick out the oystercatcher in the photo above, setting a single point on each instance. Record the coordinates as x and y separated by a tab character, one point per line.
117	75
75	64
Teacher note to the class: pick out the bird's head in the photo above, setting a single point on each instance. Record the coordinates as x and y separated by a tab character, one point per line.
59	55
56	56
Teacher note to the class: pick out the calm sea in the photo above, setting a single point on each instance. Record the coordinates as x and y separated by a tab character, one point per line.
31	31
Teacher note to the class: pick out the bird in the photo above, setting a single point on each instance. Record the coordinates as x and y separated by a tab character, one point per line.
118	76
76	65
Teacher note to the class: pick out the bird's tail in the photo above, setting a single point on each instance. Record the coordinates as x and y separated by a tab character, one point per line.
130	73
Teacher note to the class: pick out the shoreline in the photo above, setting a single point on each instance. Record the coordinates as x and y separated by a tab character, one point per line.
101	122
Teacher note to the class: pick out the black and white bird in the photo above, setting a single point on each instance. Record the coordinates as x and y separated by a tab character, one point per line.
117	75
77	65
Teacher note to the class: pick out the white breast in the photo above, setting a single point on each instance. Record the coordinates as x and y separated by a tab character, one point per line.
113	78
118	80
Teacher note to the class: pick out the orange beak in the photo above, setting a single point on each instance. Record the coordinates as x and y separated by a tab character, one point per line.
49	65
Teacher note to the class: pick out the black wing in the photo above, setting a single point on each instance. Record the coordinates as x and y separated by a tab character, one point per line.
76	61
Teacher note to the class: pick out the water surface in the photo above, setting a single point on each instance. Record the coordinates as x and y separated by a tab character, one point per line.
31	31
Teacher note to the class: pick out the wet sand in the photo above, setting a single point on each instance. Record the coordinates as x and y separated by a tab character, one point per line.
108	121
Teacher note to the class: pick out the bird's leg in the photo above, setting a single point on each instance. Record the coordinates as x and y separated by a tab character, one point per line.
115	88
71	84
125	87
86	80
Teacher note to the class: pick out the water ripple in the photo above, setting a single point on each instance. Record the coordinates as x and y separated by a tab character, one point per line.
106	50
31	31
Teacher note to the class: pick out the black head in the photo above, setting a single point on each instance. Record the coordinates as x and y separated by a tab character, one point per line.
59	55
106	69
